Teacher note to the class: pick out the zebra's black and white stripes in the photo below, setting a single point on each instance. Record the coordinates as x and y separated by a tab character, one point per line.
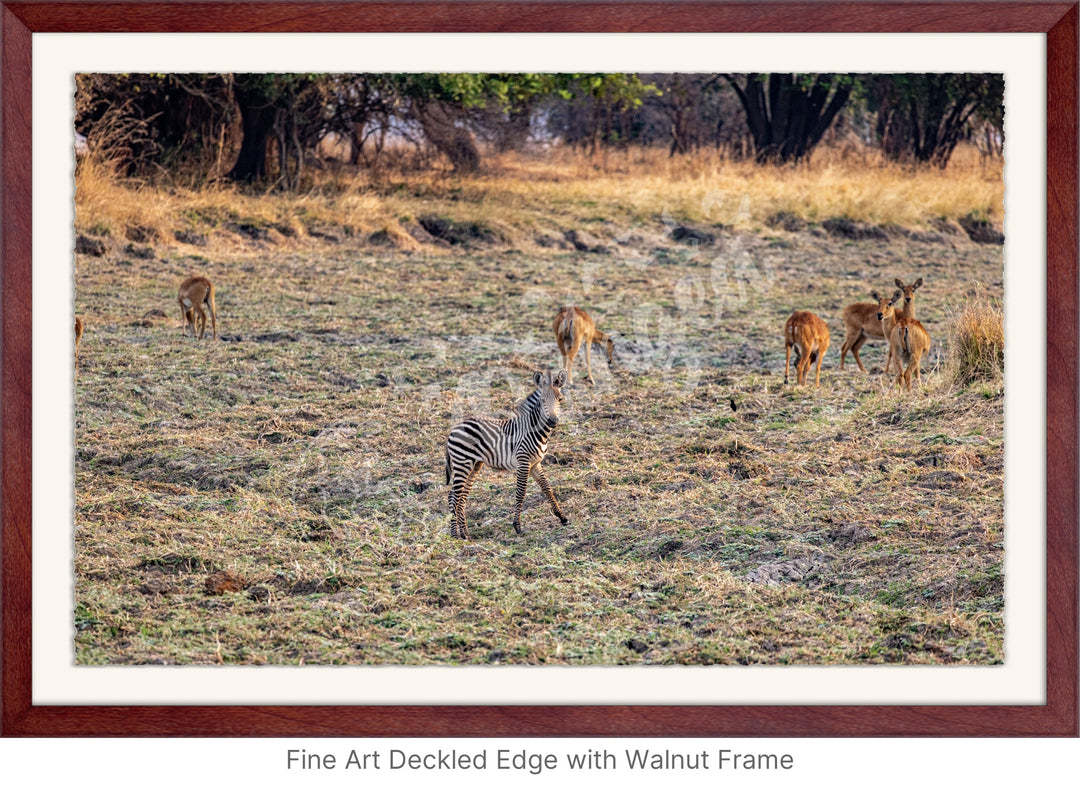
517	443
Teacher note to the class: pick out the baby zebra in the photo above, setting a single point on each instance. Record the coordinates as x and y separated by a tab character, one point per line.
517	443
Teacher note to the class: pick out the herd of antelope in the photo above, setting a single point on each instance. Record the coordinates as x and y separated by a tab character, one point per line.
519	443
907	338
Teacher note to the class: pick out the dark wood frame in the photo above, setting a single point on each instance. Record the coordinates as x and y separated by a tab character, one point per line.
1058	717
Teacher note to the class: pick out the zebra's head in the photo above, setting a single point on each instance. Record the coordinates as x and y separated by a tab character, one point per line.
549	393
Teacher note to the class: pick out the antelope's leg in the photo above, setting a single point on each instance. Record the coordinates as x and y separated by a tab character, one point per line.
844	347
575	345
855	352
213	315
820	357
801	369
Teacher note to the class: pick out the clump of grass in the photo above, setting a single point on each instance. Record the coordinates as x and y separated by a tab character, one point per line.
976	346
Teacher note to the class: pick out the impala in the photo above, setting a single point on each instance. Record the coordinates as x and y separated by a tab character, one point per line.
573	327
195	292
810	337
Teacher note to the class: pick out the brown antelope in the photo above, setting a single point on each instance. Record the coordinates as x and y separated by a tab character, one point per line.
862	322
908	342
194	292
810	337
886	317
907	310
573	327
78	336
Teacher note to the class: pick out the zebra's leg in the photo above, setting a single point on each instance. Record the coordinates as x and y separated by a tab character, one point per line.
541	479
463	493
452	498
522	479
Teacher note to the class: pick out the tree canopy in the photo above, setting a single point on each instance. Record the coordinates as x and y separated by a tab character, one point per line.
234	123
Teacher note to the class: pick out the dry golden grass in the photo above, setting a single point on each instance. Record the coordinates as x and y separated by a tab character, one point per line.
522	194
976	349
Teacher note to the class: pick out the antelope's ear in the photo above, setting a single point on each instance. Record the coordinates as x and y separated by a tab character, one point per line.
917	284
874	294
538	377
896	296
899	283
560	379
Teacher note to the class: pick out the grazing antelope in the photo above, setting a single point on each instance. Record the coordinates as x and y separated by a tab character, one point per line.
517	443
78	336
573	327
194	292
810	337
908	342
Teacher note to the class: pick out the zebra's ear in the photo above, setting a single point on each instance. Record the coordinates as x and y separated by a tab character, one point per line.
560	379
538	377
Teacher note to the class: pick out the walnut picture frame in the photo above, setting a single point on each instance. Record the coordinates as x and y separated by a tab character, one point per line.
19	716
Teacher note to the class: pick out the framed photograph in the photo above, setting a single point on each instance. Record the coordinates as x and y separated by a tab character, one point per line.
306	245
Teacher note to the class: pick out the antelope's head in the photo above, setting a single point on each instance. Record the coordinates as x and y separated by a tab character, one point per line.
909	291
886	305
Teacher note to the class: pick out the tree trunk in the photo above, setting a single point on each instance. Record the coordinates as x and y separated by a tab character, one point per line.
257	115
789	121
453	141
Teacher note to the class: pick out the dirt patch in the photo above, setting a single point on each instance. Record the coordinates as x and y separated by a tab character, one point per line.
979	230
786	221
807	571
89	246
177	563
456	232
224	581
849	229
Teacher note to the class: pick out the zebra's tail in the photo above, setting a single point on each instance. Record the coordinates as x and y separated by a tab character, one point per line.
448	464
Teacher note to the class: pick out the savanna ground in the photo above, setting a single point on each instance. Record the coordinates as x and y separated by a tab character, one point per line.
278	496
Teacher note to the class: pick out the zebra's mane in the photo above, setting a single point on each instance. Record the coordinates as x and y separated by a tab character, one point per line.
527	405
